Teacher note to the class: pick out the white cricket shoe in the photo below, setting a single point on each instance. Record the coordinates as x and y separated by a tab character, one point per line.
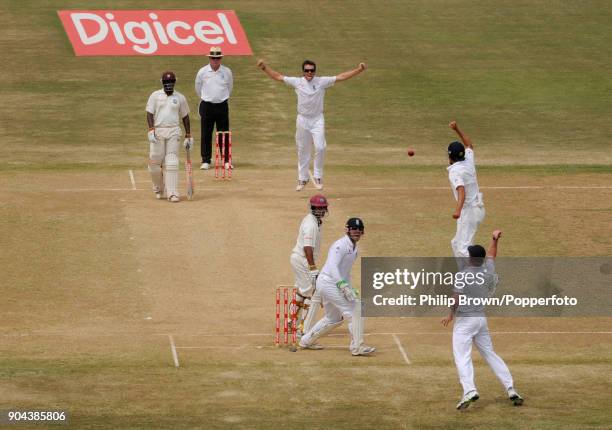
159	194
228	166
514	397
314	346
205	166
173	199
363	350
318	183
470	397
300	185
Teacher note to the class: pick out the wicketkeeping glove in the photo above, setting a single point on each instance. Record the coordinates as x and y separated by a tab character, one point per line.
188	143
151	136
349	292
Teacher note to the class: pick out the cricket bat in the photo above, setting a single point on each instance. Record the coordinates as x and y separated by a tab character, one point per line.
189	174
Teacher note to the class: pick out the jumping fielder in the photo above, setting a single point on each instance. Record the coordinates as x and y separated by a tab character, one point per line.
340	299
164	109
303	261
471	325
310	124
469	211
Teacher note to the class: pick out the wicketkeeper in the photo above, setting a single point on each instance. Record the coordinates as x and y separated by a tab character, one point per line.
164	109
340	299
303	262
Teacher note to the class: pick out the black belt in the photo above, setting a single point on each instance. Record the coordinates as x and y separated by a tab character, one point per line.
211	103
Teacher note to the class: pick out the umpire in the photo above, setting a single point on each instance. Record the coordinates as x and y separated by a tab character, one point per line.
213	84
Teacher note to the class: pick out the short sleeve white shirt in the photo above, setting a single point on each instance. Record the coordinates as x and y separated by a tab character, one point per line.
214	86
309	235
463	173
340	258
167	110
310	94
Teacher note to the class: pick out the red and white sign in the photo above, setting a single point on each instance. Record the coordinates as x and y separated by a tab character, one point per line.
154	32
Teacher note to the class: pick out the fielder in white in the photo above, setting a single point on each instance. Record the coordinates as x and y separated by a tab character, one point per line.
164	109
310	123
469	211
471	325
340	299
303	261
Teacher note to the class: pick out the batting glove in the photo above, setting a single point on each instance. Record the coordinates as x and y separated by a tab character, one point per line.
313	275
188	143
151	136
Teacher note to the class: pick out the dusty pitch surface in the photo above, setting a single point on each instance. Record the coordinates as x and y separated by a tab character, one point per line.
136	313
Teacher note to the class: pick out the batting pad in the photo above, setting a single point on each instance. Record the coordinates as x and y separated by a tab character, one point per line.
156	174
171	165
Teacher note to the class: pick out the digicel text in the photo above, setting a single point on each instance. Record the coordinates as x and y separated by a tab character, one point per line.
154	32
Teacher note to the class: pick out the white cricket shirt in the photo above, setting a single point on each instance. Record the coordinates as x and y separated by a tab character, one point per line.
309	235
463	173
340	259
167	110
310	94
481	286
214	86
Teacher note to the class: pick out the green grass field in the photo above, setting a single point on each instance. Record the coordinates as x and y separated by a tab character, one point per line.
100	279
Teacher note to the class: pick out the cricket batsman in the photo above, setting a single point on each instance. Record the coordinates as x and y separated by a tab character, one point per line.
164	109
303	262
340	300
471	324
469	210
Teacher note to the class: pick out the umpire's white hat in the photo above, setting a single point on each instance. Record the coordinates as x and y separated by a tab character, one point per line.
215	52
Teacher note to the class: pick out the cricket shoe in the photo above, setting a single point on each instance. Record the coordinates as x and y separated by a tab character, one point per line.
159	194
205	166
174	199
314	346
318	183
470	397
301	185
363	350
228	166
514	397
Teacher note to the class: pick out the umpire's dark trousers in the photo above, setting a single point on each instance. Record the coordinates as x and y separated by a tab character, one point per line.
211	114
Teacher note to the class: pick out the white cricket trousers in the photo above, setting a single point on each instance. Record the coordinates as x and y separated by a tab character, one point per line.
467	225
336	308
165	152
301	270
474	329
310	131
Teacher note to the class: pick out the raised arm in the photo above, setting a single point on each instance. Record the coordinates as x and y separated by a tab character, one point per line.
349	74
466	140
492	252
269	71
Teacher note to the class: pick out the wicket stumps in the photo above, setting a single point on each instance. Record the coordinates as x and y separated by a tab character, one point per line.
288	312
223	139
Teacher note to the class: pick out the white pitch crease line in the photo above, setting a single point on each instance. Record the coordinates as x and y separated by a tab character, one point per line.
87	190
174	353
426	333
132	179
401	348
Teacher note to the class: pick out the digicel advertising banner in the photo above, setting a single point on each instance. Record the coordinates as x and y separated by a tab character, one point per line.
154	32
